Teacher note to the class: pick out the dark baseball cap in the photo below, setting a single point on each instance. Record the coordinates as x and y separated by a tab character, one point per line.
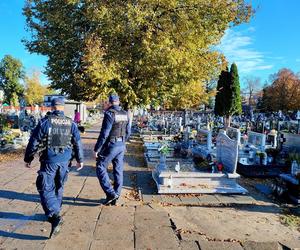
113	98
58	101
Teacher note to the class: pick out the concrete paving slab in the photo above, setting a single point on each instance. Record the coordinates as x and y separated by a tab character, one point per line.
27	235
252	245
78	229
111	245
116	215
190	200
290	245
219	245
156	238
171	199
208	199
115	232
189	245
244	199
154	219
225	199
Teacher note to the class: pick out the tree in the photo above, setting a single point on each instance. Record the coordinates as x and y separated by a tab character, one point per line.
252	86
223	94
185	96
228	99
283	93
34	90
140	49
235	98
11	72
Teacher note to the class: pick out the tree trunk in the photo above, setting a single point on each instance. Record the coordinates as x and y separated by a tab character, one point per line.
227	121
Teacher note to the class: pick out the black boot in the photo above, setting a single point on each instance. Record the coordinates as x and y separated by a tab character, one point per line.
56	223
114	202
110	200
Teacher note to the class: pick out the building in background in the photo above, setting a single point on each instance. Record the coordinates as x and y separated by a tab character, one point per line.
70	106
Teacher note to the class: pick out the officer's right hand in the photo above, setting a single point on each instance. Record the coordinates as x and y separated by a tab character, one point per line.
79	166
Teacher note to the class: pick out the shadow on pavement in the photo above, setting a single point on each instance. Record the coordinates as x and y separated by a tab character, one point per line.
73	201
21	236
18	216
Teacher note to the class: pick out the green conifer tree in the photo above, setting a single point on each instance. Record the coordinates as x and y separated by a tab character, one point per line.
221	101
236	99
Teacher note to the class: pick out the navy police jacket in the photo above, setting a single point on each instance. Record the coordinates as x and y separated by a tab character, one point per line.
107	125
48	154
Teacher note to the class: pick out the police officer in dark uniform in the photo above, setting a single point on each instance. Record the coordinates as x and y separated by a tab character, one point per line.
110	147
55	137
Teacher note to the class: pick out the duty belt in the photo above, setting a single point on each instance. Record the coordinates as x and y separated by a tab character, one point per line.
117	139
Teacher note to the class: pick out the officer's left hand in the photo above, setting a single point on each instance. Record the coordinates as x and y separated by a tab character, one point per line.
96	155
79	166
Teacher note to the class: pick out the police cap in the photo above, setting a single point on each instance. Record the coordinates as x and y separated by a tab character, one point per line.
113	98
58	101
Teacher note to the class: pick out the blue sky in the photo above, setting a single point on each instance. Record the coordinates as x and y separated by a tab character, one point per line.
269	42
12	27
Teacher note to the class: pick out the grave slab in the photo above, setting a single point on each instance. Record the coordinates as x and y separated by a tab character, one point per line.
185	178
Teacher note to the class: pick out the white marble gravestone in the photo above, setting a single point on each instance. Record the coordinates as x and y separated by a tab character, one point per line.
257	139
234	134
227	153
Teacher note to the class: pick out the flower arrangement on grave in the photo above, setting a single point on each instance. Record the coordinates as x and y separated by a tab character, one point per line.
164	149
220	166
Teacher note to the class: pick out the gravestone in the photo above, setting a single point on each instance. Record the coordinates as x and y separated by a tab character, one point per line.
257	139
180	122
271	139
204	145
198	122
227	152
290	142
234	134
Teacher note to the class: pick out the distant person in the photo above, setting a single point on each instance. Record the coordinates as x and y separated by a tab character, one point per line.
110	147
55	136
77	116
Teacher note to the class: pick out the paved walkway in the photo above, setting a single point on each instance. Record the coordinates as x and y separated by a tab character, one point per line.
141	220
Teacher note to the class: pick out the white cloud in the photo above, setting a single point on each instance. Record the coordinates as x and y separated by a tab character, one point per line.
238	48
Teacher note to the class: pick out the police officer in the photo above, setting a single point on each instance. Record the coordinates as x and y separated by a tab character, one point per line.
55	137
110	147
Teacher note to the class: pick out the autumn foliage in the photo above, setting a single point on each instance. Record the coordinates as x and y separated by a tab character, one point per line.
147	51
283	93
